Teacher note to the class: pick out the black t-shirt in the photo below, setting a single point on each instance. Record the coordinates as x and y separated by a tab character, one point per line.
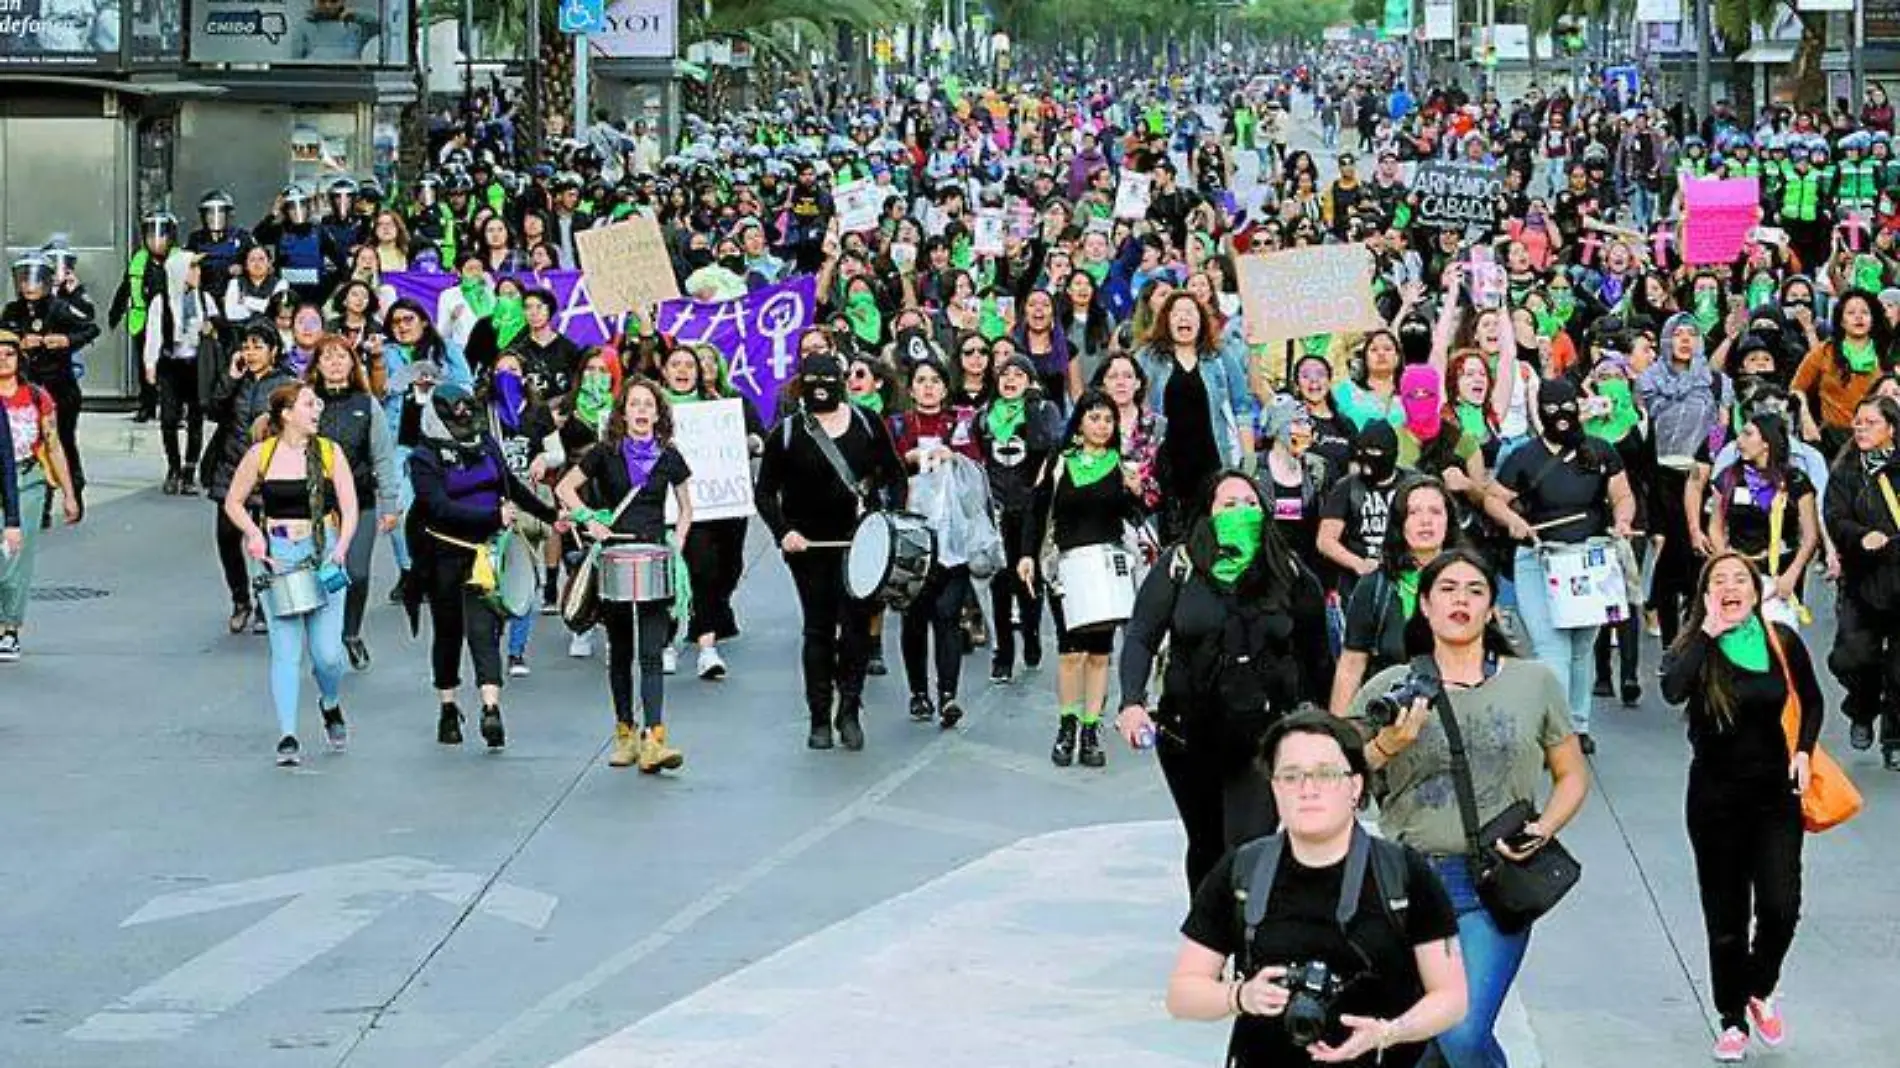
1376	624
1578	485
1301	928
1364	509
608	482
1190	448
1748	522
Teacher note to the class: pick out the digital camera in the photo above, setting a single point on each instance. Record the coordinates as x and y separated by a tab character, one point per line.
1311	988
1384	710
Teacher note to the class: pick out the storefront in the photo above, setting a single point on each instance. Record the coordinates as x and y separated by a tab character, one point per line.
109	109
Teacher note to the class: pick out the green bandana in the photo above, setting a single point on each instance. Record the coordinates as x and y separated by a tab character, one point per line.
510	317
1005	417
1547	323
1622	418
1316	345
867	322
1746	644
1761	292
962	254
1472	421
872	402
1563	303
688	397
480	298
595	400
990	323
1860	356
1406	585
1868	273
1086	468
1237	532
1708	312
1097	272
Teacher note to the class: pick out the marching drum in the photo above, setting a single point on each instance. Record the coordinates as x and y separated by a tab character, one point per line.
517	574
1098	585
1585	583
292	593
636	574
890	557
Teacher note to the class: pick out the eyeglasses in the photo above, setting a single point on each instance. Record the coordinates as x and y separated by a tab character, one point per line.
404	319
974	350
1327	777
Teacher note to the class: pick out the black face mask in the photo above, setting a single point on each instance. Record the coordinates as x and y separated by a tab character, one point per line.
697	258
735	264
1562	424
1377	465
822	393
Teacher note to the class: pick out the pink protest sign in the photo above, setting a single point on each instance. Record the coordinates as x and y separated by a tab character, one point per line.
1717	214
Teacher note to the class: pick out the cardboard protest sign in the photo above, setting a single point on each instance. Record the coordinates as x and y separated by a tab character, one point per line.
710	435
859	204
1300	292
627	266
1458	195
1132	195
1717	215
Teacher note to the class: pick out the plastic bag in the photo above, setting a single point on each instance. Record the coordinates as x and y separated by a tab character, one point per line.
954	496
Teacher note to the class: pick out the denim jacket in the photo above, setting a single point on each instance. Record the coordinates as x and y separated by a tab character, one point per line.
1231	404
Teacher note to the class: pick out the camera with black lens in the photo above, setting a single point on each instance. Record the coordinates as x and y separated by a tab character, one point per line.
1384	710
1312	988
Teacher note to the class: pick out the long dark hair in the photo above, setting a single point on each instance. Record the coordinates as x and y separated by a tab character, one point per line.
1496	642
1394	554
1878	331
1269	581
1090	400
1718	677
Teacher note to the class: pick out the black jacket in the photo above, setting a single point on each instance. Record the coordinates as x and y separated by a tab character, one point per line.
1855	507
236	404
52	315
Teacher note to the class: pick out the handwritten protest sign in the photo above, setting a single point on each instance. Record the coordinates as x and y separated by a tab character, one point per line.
1458	195
756	333
988	237
710	435
859	204
627	266
1717	215
1132	195
1305	291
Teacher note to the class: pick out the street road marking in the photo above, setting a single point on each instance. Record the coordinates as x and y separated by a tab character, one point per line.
328	906
917	819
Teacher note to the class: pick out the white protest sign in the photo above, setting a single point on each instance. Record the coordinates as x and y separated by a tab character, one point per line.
988	237
627	266
859	203
711	436
1131	196
1300	292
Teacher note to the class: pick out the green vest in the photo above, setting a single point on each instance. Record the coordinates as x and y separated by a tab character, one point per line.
1800	199
1856	181
1744	168
448	248
135	279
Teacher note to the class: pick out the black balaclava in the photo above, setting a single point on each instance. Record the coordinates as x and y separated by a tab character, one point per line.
1376	451
1557	407
455	409
821	383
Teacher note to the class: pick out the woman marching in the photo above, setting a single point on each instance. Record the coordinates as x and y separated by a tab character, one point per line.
1863	519
184	322
36	464
1245	625
465	494
620	489
1085	497
523	426
1017	430
1201	387
239	400
307	499
1382	624
353	421
1765	510
1737	673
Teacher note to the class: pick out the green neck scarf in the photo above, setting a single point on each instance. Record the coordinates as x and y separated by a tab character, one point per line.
1406	586
962	254
872	402
1097	272
1860	355
1622	418
1708	312
510	316
1869	273
595	400
990	322
1761	292
1005	417
480	298
688	397
1237	532
1087	468
1563	303
1547	323
867	322
1472	421
1746	644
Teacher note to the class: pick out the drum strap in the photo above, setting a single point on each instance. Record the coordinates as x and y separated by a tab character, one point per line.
832	456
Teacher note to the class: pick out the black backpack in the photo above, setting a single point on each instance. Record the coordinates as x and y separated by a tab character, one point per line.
1257	862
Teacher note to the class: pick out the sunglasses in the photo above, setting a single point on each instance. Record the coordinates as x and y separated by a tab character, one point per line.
861	373
974	350
404	319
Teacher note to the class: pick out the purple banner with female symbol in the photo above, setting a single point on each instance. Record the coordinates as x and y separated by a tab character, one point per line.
757	333
574	316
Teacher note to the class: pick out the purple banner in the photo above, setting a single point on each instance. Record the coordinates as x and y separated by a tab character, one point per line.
757	333
575	318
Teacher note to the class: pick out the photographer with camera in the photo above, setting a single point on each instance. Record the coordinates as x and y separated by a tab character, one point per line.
1474	811
1245	626
1382	622
1343	944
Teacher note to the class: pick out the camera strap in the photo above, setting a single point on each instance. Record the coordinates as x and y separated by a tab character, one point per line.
1460	763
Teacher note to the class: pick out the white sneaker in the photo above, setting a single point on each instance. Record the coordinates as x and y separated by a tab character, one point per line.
581	646
711	665
669	661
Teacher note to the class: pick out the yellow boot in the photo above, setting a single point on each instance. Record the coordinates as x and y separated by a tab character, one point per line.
656	755
626	746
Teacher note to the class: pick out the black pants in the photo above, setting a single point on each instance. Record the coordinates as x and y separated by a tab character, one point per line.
836	633
936	616
458	617
66	395
237	577
1629	638
715	558
1866	660
1220	805
1007	594
625	644
1678	567
1747	842
178	405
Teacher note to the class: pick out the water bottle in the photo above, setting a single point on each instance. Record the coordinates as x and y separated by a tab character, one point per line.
1145	738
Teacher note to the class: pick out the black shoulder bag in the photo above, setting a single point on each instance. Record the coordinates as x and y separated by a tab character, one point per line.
1516	893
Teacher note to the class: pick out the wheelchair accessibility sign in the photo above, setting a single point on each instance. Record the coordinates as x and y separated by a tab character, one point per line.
583	16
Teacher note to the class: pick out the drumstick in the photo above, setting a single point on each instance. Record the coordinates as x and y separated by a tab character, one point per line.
1548	523
827	545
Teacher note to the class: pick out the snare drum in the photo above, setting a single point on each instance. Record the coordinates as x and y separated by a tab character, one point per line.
891	556
636	574
289	594
1098	585
517	575
1584	583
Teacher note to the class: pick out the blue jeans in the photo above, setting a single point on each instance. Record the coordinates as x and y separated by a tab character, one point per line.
322	630
405	499
520	628
1492	959
1570	652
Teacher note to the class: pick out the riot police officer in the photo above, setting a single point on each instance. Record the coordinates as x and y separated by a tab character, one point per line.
51	330
216	239
306	256
144	279
342	227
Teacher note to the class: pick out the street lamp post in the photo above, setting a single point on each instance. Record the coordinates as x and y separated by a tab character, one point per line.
1704	92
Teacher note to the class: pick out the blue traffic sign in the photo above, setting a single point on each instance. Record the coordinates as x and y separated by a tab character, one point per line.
583	16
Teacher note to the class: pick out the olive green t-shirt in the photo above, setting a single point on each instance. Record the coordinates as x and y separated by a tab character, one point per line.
1507	724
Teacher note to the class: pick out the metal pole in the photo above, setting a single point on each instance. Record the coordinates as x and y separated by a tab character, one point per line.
580	85
1704	92
468	51
1857	22
537	134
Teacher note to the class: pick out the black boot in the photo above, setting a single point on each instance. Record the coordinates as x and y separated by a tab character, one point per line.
172	483
1632	693
1063	753
1092	755
1601	688
188	481
1032	650
401	587
874	667
448	729
492	731
850	731
948	711
921	709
